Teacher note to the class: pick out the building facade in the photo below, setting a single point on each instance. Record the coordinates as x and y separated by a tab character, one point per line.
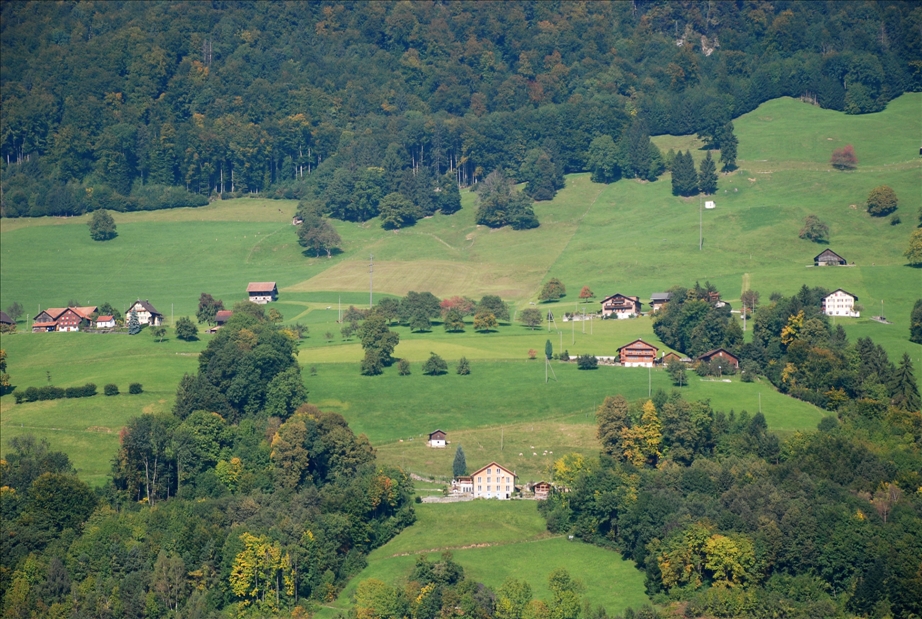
620	306
840	303
147	313
262	292
637	354
493	482
437	439
828	258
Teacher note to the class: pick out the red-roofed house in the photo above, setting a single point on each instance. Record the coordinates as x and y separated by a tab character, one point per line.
262	292
105	322
61	319
222	317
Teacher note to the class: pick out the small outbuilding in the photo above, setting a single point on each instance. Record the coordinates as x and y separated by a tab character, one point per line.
709	204
638	354
222	317
262	292
5	320
437	439
659	299
668	358
541	490
105	322
828	258
720	353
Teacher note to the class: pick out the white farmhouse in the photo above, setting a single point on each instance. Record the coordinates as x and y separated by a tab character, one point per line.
840	303
493	482
147	313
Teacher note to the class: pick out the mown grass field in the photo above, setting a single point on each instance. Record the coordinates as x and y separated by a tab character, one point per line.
629	237
494	541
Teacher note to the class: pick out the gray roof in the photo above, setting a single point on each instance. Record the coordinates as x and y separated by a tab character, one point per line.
660	296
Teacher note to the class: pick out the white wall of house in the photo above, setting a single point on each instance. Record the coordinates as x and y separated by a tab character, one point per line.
105	324
261	299
437	443
637	364
840	303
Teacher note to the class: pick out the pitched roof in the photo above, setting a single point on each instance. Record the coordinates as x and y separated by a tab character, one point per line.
223	314
146	306
442	432
491	465
84	311
855	297
53	312
5	319
618	294
260	286
829	254
103	318
648	344
660	296
711	353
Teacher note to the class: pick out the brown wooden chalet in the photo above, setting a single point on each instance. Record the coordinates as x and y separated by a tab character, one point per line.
262	292
6	320
437	439
828	258
669	357
541	490
222	317
658	300
620	306
638	354
720	353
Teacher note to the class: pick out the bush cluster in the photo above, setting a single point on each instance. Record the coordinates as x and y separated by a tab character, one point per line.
49	392
135	388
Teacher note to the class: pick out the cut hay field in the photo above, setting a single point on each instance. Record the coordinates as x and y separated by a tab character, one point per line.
494	541
628	237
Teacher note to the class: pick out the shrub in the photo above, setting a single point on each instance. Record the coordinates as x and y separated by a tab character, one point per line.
435	365
135	388
587	362
48	392
882	201
464	367
86	391
110	389
895	219
844	158
403	367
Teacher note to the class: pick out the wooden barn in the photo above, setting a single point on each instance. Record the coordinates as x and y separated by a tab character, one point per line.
828	258
720	353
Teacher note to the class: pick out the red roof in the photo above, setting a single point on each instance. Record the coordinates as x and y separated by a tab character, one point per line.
44	324
646	344
103	318
260	286
223	315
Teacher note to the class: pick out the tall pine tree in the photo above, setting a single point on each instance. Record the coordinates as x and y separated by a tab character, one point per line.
728	144
684	177
904	388
707	179
459	466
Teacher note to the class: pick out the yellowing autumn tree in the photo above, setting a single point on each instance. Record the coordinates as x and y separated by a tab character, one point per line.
641	443
289	456
261	572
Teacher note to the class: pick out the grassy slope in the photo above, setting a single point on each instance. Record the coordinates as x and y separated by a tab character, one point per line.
495	541
630	237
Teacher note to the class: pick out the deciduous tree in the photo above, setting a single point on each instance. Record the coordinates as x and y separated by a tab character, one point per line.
318	235
552	290
434	365
914	252
530	317
844	158
814	229
882	201
484	321
494	305
453	321
208	307
603	160
186	329
102	226
464	367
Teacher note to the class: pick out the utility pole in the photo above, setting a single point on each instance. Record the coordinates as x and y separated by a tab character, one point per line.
339	312
371	280
649	382
744	318
700	224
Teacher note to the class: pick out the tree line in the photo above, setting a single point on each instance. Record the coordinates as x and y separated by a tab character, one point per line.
152	109
245	500
729	520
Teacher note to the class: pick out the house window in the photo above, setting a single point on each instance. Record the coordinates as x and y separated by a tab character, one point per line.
479	488
489	471
488	488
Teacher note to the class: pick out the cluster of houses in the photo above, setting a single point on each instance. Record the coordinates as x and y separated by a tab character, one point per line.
75	318
641	354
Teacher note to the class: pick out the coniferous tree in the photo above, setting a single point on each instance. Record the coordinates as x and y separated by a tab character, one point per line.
728	146
684	177
459	466
640	156
915	323
904	387
134	325
707	178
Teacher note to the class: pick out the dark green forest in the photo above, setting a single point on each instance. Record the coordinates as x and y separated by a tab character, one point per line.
131	105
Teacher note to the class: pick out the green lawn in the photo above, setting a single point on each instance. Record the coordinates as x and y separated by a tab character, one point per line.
496	540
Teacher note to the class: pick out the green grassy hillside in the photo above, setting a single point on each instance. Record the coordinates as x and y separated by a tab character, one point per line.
494	541
629	237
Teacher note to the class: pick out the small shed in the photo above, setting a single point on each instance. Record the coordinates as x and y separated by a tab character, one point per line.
437	439
828	258
262	292
709	204
720	353
105	322
541	490
222	317
6	320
